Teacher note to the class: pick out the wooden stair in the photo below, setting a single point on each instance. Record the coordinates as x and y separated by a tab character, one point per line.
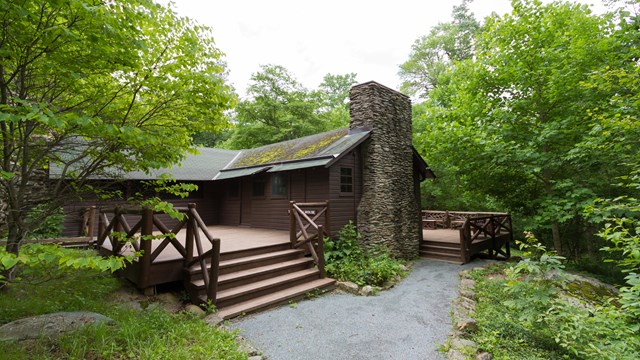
254	279
441	250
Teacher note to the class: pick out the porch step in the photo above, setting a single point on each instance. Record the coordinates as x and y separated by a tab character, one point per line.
249	262
243	277
264	287
440	249
276	298
229	255
441	256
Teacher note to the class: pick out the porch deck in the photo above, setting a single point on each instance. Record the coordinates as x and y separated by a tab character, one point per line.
239	269
460	236
232	239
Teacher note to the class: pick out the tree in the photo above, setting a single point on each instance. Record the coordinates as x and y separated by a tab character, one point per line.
94	88
279	108
513	119
333	98
431	55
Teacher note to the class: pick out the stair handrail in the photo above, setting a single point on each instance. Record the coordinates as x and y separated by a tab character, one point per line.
299	224
194	227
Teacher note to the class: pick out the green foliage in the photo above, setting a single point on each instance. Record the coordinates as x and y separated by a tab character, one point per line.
43	262
345	260
558	316
432	55
529	123
279	108
622	232
92	89
50	227
148	334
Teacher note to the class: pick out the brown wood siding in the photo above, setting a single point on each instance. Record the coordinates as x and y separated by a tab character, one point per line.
229	206
344	207
206	206
268	211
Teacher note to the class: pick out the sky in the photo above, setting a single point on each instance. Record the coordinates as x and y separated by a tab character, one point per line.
313	38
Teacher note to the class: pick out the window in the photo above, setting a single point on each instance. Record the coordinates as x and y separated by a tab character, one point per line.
278	184
258	186
346	180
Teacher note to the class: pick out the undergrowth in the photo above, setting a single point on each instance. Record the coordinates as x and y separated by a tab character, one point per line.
346	260
536	310
149	334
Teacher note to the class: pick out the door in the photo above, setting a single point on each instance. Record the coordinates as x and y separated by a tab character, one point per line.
245	201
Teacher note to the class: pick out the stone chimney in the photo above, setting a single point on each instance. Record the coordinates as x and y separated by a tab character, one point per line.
388	213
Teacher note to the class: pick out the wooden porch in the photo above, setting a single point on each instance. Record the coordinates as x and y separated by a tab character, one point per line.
459	237
239	269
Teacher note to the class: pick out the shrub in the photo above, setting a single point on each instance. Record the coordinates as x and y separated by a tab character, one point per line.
345	260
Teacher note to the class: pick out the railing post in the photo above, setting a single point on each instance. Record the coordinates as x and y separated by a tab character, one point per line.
191	227
327	218
116	244
320	251
292	224
145	245
212	289
91	221
101	229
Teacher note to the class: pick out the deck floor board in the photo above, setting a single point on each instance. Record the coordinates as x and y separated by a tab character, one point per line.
232	238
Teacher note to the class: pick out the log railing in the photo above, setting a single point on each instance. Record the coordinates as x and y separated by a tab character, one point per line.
304	229
126	239
487	232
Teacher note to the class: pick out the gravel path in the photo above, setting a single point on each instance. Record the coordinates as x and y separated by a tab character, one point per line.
408	321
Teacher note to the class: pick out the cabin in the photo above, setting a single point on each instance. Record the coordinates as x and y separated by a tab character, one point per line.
253	188
252	233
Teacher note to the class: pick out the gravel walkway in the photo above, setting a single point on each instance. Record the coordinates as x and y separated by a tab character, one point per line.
408	321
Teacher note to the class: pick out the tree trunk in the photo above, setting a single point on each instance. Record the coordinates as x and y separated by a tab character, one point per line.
557	241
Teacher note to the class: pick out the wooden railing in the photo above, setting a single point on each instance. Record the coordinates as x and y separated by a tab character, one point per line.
119	233
304	229
487	232
443	219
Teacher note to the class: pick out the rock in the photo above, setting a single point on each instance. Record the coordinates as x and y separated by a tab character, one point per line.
464	345
484	356
467	284
366	290
169	301
467	304
195	310
468	293
257	357
465	274
49	325
245	347
348	286
213	320
455	355
467	325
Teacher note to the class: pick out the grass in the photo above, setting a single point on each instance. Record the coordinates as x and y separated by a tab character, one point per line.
149	334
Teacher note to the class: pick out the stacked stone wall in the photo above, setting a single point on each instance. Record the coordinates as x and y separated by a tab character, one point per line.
388	213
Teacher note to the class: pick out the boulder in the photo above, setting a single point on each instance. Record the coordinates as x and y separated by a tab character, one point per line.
49	325
195	310
348	286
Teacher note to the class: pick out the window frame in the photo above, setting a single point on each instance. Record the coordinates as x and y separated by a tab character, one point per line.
344	184
283	186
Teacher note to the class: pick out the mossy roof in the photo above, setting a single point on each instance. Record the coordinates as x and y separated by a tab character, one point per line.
216	164
309	151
